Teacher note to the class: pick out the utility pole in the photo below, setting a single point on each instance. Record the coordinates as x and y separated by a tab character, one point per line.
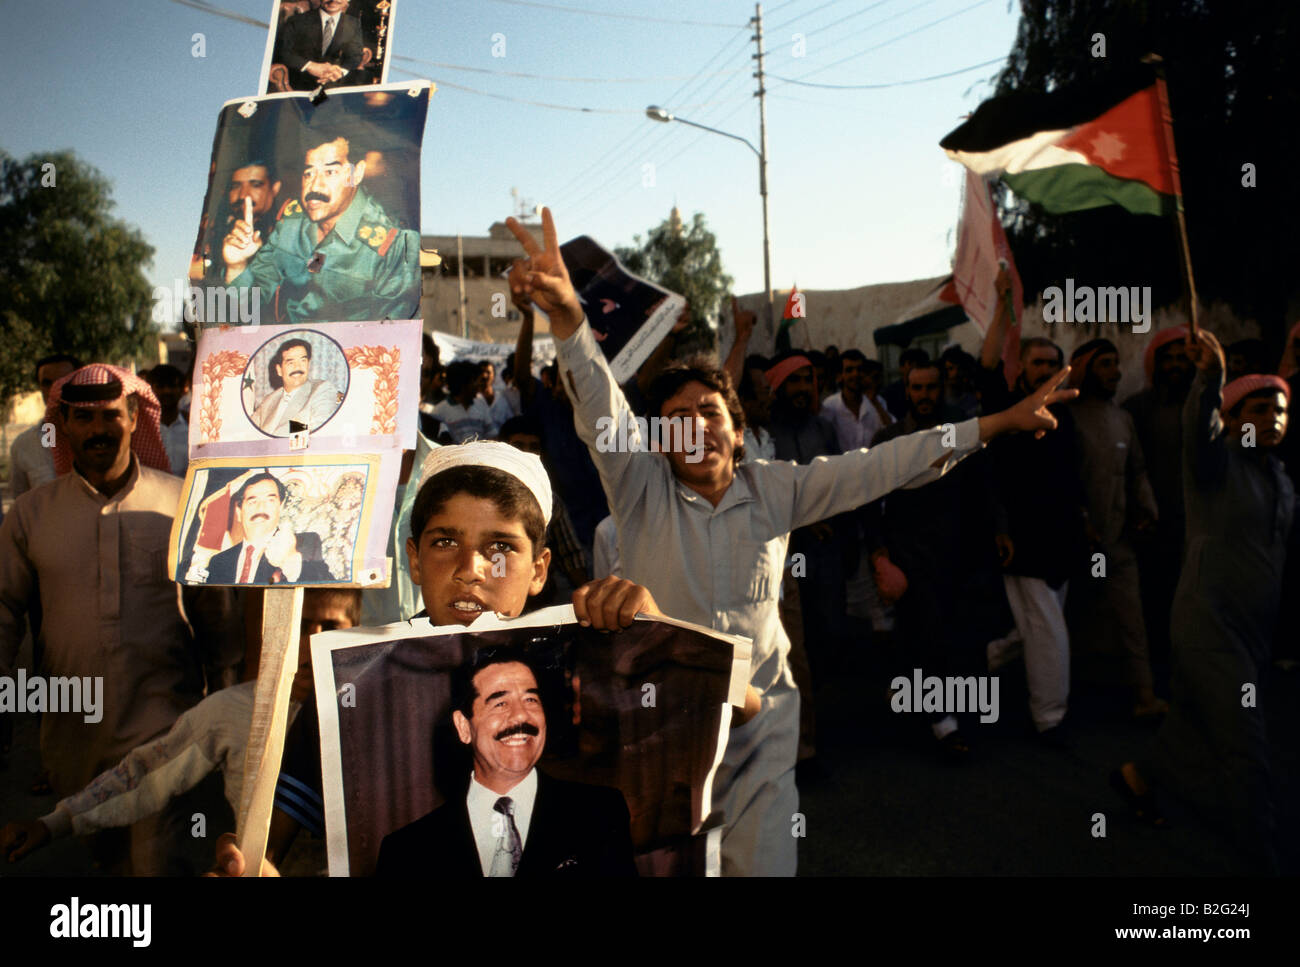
762	173
460	286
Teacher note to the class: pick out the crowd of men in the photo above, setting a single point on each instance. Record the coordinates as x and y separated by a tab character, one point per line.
1083	533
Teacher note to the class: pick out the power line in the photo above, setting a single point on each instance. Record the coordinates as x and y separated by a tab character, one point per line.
806	13
886	43
780	6
579	109
656	143
875	87
655	146
554	77
614	16
634	136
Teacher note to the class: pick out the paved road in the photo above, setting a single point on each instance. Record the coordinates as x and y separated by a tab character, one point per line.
891	806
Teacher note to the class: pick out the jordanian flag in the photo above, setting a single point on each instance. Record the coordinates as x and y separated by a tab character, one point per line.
794	309
1071	150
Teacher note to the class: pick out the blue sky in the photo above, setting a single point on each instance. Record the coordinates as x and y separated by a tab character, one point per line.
860	192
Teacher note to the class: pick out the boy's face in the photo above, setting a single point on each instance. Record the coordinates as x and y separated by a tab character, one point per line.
320	612
471	559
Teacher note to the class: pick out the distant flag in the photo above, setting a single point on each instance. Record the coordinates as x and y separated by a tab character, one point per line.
981	246
1078	148
794	309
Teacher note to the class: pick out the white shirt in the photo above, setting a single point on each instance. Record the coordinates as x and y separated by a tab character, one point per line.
465	424
759	445
480	801
852	430
500	409
30	464
176	441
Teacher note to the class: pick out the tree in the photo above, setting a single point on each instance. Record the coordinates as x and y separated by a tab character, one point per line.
71	276
684	260
1233	95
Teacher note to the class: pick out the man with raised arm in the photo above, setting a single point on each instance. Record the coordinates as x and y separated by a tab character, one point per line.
707	536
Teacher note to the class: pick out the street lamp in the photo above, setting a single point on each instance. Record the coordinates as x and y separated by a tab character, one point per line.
656	113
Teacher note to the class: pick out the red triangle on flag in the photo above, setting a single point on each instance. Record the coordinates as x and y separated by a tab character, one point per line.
1129	141
794	305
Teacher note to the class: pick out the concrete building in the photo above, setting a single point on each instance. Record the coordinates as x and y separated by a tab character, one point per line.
476	265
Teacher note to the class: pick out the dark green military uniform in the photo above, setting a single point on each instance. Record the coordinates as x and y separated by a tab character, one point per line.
370	267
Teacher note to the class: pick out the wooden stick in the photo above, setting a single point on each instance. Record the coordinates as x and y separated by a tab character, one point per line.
281	620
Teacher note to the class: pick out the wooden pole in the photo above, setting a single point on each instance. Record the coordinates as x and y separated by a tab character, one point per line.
281	621
1185	252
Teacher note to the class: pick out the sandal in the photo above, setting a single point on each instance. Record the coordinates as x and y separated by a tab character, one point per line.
1143	807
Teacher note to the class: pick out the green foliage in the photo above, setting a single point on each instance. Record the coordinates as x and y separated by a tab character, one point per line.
71	276
1233	96
683	259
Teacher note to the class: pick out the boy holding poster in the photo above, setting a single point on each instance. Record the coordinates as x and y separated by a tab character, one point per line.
478	544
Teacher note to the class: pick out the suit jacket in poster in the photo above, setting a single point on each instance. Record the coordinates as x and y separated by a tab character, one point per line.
576	830
299	42
221	568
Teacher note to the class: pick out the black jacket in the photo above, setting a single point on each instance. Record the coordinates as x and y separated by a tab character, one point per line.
576	830
221	568
299	42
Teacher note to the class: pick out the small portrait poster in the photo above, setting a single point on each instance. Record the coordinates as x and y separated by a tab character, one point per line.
642	711
285	521
629	316
312	212
346	387
327	43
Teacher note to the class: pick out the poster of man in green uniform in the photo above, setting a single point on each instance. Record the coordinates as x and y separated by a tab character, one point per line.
347	246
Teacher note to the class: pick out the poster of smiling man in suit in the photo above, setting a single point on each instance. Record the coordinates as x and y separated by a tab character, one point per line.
530	747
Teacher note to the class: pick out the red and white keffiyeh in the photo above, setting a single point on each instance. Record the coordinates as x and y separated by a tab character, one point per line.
96	386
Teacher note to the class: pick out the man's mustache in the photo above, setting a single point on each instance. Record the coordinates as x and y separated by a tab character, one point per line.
523	728
96	441
262	515
316	196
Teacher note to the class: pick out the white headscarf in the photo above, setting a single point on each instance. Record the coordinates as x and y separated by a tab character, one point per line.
525	467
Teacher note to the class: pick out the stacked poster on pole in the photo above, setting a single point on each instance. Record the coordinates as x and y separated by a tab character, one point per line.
306	283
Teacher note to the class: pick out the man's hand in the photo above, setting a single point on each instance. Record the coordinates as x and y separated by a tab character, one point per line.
230	861
515	280
611	603
544	279
241	244
21	837
1031	413
1006	548
325	73
753	705
1206	352
744	320
282	552
891	582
